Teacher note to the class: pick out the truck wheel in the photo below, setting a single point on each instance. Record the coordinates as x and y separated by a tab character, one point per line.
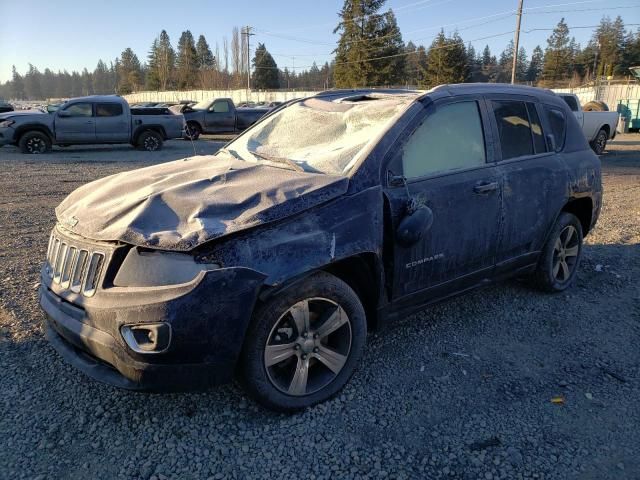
192	131
150	141
600	142
34	143
304	344
595	106
561	255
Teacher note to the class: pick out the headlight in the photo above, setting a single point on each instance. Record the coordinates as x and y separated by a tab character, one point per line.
7	123
143	268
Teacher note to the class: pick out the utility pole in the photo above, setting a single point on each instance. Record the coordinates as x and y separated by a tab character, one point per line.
247	31
516	43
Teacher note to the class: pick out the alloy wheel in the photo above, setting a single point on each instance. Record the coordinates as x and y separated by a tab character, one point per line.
565	253
36	145
151	143
308	346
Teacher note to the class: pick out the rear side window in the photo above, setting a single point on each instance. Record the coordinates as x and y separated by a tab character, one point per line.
108	109
220	107
558	123
514	128
80	110
571	101
438	146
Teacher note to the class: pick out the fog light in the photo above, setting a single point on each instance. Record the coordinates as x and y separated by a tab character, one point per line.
147	338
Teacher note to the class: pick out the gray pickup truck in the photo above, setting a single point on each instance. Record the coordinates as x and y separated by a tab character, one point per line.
90	120
219	116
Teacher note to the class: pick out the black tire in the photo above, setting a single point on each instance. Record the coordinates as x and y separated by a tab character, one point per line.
595	106
150	141
267	383
34	143
599	144
550	274
192	131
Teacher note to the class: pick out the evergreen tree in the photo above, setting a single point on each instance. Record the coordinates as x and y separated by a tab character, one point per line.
265	73
152	77
505	64
370	48
609	38
535	65
489	66
32	85
87	85
206	63
100	78
415	65
17	85
474	64
558	55
129	72
186	61
48	84
165	60
446	61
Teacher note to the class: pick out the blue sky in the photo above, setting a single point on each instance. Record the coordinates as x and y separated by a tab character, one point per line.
71	34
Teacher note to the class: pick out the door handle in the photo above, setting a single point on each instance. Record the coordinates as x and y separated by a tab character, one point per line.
89	122
485	187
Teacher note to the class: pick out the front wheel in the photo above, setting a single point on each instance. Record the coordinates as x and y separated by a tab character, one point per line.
561	255
600	142
34	143
304	344
192	131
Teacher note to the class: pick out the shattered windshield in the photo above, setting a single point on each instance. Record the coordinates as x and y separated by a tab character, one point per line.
319	135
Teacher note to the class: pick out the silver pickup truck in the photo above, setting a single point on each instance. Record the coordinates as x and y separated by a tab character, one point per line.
90	120
598	126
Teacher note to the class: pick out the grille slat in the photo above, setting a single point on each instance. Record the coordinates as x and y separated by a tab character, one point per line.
73	267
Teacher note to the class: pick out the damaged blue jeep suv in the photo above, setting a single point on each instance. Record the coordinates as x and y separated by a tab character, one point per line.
334	214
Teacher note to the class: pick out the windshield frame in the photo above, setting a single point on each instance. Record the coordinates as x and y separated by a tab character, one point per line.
356	162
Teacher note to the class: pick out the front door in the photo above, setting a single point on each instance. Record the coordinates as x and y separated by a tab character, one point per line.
76	124
448	168
220	118
112	125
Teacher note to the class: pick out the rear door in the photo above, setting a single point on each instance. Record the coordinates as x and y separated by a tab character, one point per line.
448	167
78	126
534	179
220	117
112	123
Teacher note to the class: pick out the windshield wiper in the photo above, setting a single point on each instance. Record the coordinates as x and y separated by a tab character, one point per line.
284	160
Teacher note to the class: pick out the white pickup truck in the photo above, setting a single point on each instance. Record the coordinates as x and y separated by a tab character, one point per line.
598	124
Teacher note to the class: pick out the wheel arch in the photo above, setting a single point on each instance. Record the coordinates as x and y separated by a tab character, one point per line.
30	127
159	129
583	209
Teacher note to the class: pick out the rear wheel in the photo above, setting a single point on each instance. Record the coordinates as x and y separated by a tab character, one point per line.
304	344
192	131
561	255
599	143
34	143
150	141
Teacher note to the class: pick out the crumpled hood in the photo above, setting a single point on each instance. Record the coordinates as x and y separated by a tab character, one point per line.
182	204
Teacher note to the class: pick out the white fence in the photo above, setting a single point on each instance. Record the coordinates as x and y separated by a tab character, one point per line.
612	95
238	96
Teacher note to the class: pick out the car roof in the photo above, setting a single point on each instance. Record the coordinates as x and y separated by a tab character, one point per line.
480	88
98	98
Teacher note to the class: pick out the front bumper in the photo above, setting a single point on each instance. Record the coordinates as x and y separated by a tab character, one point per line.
7	136
208	323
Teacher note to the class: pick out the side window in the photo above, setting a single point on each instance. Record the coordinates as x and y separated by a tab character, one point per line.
514	128
536	129
80	110
558	124
448	139
571	101
108	109
220	107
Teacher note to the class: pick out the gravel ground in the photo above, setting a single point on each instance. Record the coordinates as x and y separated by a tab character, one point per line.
460	390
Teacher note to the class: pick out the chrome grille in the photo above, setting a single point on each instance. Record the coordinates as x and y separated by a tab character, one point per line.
74	267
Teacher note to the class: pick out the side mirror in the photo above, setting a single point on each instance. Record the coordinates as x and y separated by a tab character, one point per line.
63	113
414	225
